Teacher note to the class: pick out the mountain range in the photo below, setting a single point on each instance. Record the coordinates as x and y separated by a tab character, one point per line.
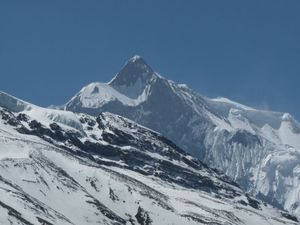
258	149
142	150
59	167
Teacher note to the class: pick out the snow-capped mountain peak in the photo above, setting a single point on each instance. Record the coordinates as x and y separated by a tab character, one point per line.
135	58
133	77
227	135
130	87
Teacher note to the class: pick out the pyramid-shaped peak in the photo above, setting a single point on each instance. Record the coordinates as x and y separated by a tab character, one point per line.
134	70
137	62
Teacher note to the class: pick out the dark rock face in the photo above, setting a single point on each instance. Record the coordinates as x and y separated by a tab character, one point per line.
290	217
136	158
9	118
252	202
143	217
245	138
136	70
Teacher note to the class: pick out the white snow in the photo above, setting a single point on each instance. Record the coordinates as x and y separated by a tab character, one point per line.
289	131
105	94
47	182
135	58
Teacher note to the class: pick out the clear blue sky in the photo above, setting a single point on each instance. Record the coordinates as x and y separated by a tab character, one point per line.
248	51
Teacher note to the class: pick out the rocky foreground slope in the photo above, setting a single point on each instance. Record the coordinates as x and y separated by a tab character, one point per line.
58	167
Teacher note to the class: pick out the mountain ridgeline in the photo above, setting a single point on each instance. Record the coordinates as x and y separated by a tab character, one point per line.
63	168
260	150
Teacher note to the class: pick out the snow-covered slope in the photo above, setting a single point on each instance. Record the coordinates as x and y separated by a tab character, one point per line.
63	168
241	141
130	92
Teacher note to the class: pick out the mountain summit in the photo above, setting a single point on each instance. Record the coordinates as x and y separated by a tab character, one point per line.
254	147
133	77
131	86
